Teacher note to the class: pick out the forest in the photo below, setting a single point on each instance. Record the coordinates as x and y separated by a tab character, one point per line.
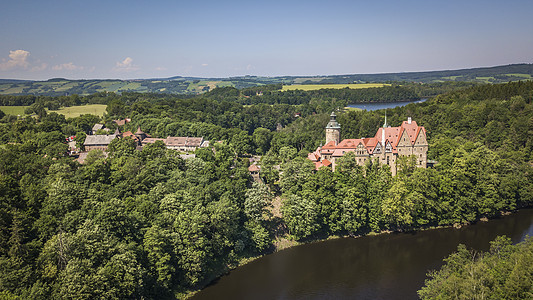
149	224
504	272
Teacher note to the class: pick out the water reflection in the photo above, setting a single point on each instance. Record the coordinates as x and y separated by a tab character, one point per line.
391	266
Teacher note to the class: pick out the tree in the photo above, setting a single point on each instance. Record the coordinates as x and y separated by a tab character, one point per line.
262	138
398	206
258	199
300	215
294	174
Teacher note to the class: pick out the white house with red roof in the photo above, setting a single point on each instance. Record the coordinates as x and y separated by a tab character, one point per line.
384	147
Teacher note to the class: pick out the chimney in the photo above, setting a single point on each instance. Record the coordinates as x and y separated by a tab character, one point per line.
409	120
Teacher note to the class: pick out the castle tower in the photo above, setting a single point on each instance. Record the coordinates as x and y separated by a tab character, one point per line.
333	130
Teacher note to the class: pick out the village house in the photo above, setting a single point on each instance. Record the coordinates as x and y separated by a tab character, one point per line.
122	122
98	142
254	170
385	147
179	143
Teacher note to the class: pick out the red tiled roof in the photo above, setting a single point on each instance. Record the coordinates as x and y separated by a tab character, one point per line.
341	151
350	143
313	156
330	145
323	163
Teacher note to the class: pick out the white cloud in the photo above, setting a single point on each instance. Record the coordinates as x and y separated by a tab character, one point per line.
160	69
39	67
17	59
205	65
67	67
126	65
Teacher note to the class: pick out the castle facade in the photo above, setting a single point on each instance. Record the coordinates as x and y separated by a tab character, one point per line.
385	147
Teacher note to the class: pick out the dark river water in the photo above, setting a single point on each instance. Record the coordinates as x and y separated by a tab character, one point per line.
382	105
388	266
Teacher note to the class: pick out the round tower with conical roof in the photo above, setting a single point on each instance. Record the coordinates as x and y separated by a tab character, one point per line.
333	130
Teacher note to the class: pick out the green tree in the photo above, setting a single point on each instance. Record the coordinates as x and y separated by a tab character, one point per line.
300	215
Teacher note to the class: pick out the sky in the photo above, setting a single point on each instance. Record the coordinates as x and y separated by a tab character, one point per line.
134	39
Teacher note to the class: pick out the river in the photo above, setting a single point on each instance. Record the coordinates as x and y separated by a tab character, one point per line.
387	266
382	105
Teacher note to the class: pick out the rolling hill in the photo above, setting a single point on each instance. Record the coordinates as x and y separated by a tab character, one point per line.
191	85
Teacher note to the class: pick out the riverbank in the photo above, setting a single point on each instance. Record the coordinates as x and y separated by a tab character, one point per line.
285	242
385	266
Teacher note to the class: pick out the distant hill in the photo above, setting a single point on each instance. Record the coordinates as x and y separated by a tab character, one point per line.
192	85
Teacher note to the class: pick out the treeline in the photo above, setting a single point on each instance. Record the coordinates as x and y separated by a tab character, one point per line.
504	272
342	97
57	102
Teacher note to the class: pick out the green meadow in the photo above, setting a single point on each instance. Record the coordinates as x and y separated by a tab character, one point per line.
76	111
13	110
69	112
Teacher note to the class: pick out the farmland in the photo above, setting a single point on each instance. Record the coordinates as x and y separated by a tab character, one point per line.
68	112
76	111
13	110
313	87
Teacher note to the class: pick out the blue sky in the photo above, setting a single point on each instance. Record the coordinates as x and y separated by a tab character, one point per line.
148	39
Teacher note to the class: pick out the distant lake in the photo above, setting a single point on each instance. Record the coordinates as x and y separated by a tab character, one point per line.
382	105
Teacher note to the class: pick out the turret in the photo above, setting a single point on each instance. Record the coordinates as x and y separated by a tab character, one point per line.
333	130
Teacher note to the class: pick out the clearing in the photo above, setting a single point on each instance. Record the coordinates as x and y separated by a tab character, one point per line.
13	110
76	111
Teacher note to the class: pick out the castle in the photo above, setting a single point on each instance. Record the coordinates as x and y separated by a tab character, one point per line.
385	147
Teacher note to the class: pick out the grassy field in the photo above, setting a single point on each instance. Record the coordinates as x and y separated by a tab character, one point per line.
312	87
76	111
347	108
13	110
69	112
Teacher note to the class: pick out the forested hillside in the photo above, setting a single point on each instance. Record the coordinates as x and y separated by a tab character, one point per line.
148	224
193	86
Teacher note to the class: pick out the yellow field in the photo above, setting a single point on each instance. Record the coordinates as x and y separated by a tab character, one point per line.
76	111
312	87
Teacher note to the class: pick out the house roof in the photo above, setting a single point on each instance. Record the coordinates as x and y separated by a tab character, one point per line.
330	145
122	122
181	141
313	156
97	127
152	140
350	143
323	163
139	131
254	168
93	140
